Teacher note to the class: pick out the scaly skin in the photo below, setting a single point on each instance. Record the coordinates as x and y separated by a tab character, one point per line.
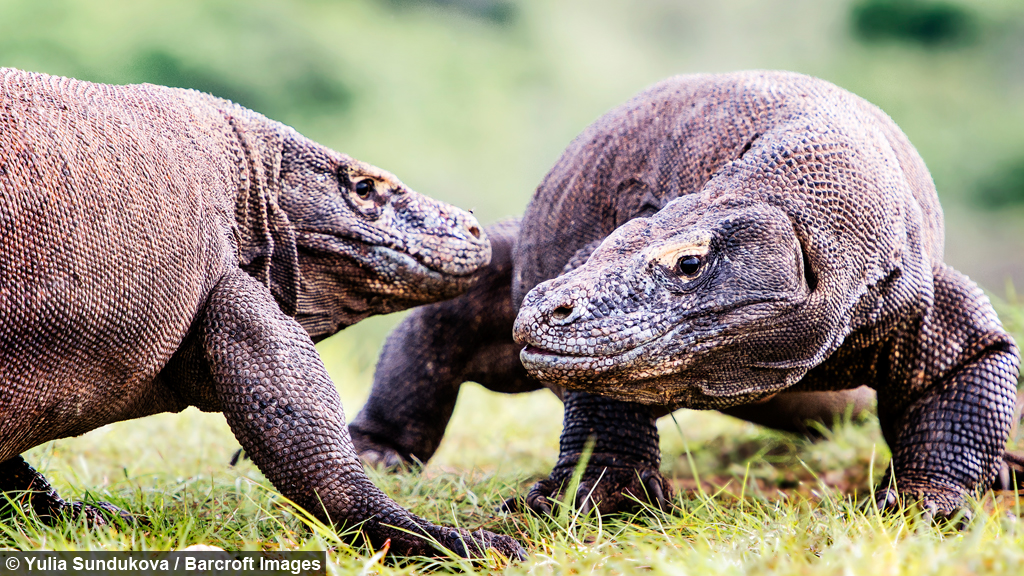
469	338
805	254
162	248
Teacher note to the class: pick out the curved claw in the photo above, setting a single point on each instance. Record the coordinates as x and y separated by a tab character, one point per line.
928	513
936	506
887	500
384	458
457	544
510	505
584	499
655	493
966	517
508	547
959	518
537	498
378	453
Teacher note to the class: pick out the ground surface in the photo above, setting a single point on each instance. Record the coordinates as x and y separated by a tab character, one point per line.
766	503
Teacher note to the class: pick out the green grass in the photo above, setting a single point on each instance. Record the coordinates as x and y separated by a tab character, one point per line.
748	500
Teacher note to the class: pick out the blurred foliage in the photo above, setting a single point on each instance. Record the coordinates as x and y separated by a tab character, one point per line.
496	11
309	86
928	23
1005	186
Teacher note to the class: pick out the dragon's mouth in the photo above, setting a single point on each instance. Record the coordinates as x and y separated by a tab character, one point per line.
383	257
415	264
536	351
608	343
557	364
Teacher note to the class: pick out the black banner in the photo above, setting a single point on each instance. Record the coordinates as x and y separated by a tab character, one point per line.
180	563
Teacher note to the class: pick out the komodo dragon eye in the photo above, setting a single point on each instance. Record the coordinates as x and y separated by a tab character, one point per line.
688	265
364	188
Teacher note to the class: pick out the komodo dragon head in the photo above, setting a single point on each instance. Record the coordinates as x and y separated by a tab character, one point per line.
360	228
690	307
338	240
802	219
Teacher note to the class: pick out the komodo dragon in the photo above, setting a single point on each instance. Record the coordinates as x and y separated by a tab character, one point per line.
738	242
161	248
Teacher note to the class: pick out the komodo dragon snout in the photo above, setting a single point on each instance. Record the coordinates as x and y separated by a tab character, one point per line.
683	303
360	228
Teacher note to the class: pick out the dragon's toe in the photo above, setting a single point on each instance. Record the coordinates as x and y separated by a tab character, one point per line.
608	490
377	453
937	504
475	544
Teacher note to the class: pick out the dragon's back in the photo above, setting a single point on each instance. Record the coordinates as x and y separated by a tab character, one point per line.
114	219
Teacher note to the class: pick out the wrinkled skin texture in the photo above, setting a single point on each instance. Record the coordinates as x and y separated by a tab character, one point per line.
804	253
162	248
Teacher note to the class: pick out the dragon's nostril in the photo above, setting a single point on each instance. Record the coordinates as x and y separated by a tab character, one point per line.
475	231
562	312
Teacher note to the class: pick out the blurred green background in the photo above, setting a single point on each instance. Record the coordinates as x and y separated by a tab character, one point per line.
471	101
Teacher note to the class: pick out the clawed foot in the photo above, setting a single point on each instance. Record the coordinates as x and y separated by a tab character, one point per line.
937	505
475	544
460	541
377	454
383	458
27	488
606	489
95	514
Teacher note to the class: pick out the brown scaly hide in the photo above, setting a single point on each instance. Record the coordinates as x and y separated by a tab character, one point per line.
716	240
156	245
